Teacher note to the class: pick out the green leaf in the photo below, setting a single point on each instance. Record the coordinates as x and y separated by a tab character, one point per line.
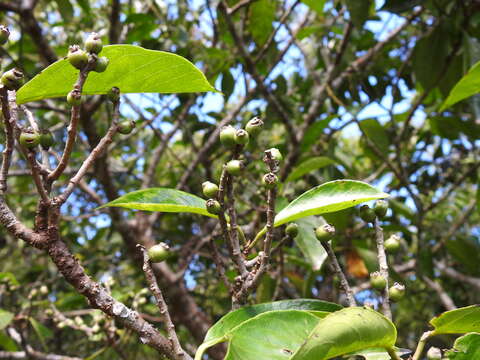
309	165
162	200
458	321
398	6
132	69
466	347
42	332
378	354
359	11
261	18
345	331
376	133
329	197
308	243
275	335
315	5
5	318
467	86
7	343
8	277
222	328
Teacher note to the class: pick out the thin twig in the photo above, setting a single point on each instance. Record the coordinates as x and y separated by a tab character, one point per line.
9	120
421	345
383	265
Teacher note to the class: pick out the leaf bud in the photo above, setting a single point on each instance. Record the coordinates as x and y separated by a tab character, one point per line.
380	208
241	137
93	43
276	154
396	292
46	139
125	127
213	206
12	79
235	167
101	64
4	34
392	244
254	126
158	253
292	230
377	281
325	232
210	190
77	57
74	98
367	214
227	136
114	94
270	180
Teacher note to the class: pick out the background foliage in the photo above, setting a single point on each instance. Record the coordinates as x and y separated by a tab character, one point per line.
347	89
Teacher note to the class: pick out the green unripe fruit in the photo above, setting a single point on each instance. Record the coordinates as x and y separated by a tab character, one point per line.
77	57
241	137
46	139
396	292
292	230
210	190
392	244
276	154
380	208
93	43
114	94
367	214
434	353
325	232
158	253
29	139
254	126
270	180
213	206
234	167
227	136
377	281
4	34
101	64
125	127
74	98
12	79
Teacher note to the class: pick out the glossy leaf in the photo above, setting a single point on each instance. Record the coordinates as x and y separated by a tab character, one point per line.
308	166
345	331
132	69
222	328
377	354
467	86
315	5
329	197
458	321
376	133
162	200
466	347
307	242
274	335
5	318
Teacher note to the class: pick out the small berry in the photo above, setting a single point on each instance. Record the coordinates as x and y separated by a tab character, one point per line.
276	154
213	206
392	244
367	214
125	127
241	137
159	252
29	139
93	43
101	64
325	232
114	94
74	98
292	230
270	180
227	136
434	353
254	126
46	139
380	208
377	281
12	79
396	292
4	34
210	190
77	57
234	167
